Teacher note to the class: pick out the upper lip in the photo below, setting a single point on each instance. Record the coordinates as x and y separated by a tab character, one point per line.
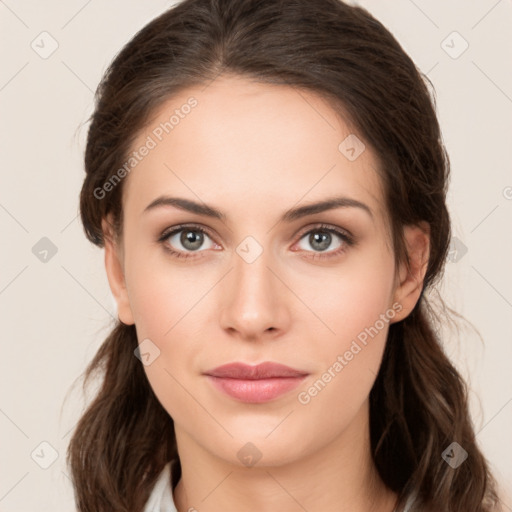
266	370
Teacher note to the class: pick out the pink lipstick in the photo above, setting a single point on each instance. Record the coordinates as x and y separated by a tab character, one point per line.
255	384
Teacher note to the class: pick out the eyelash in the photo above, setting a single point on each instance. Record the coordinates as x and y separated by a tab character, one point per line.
348	240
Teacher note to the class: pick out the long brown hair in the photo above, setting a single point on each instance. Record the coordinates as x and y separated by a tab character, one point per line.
418	404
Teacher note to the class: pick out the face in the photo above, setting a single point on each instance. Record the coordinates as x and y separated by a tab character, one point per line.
314	290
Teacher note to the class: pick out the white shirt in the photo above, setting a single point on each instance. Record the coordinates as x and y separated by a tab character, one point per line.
161	498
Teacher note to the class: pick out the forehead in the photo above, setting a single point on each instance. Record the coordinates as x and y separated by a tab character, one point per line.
250	144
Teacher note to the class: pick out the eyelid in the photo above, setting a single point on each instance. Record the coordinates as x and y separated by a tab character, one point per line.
347	241
180	227
346	236
319	226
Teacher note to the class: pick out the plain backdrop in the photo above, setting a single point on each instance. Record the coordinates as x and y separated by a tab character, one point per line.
55	304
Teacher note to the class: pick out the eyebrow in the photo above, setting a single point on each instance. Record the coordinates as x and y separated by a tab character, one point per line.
289	216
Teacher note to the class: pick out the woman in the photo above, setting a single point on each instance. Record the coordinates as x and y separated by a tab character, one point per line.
268	181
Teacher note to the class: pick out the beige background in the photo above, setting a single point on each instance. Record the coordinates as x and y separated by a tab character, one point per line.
56	313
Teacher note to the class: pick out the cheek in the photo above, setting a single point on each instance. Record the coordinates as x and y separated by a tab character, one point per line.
350	300
348	361
355	307
179	312
165	307
167	304
160	294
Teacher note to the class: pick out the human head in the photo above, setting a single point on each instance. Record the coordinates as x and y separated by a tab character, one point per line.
354	64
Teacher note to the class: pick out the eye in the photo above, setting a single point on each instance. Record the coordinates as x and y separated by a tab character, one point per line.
190	238
322	237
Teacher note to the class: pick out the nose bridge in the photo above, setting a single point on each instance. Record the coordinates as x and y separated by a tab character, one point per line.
254	302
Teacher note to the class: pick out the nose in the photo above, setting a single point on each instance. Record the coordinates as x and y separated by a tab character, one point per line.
254	301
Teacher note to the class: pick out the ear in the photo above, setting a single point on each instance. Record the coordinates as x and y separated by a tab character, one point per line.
409	283
115	272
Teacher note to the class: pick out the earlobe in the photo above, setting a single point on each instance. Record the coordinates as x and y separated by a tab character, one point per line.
115	274
410	278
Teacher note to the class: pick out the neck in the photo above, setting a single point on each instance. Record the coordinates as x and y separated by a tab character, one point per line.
341	476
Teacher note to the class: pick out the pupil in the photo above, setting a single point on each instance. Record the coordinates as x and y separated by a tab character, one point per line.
191	239
323	238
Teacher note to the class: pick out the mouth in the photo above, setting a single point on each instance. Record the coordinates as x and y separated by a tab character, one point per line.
255	384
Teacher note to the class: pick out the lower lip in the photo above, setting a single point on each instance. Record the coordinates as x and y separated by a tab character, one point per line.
256	391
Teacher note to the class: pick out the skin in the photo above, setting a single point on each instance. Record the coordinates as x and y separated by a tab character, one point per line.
254	151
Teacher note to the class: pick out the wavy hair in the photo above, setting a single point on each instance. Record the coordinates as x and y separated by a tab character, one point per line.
419	403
